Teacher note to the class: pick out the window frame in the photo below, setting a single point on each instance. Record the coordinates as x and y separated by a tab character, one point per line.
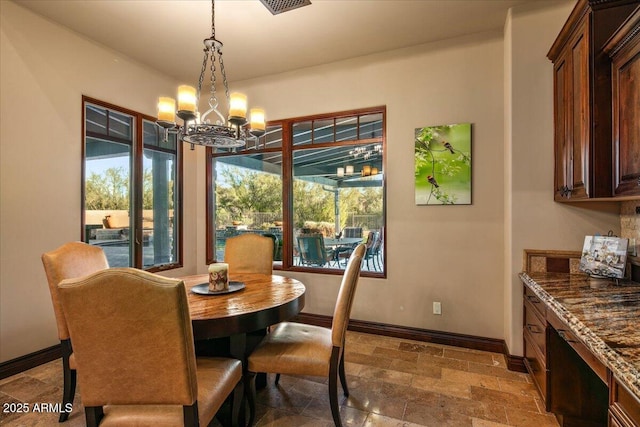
287	149
137	185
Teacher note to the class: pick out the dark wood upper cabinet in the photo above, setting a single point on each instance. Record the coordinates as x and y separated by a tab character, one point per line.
583	99
624	50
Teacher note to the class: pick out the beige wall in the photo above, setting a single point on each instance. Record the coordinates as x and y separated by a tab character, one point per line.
44	72
630	223
535	221
451	254
466	257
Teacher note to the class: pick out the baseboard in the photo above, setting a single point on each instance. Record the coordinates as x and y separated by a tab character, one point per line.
514	363
493	345
28	361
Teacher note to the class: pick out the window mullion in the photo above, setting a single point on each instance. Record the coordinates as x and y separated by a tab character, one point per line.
137	189
287	195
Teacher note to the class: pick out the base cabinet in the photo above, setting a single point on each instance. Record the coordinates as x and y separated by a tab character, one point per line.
578	396
624	407
573	384
535	344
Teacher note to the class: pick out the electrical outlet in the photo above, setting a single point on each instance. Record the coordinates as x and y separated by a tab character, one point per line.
437	307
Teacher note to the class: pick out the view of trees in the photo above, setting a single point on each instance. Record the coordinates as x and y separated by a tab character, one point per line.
110	190
241	192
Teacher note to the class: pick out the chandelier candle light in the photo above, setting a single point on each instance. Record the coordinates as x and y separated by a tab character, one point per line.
197	129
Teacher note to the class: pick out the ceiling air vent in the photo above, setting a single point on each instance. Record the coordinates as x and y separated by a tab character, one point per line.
279	6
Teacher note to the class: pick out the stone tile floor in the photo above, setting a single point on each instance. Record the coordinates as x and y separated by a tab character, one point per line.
392	382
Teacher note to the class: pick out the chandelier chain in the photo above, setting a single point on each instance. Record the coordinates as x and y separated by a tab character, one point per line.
213	19
213	100
204	68
224	75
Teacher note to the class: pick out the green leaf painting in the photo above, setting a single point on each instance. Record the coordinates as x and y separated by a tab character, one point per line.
443	165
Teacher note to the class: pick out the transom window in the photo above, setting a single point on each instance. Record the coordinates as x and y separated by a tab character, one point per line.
315	185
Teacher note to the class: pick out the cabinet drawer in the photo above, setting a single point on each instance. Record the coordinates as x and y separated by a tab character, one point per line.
624	405
613	421
582	350
535	302
536	367
535	328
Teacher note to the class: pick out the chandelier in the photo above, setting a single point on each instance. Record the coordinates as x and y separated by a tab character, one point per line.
199	129
366	152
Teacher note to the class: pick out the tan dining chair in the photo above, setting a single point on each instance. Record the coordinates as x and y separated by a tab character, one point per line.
249	253
135	353
73	259
300	349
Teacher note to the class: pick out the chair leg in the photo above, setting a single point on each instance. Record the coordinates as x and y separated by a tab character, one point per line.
190	415
250	382
277	378
334	371
333	399
68	393
93	415
236	404
68	382
343	377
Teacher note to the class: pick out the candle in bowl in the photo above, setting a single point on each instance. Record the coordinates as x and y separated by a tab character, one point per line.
218	277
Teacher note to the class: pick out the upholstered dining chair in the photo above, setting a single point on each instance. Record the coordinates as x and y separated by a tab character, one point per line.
249	253
73	259
300	349
135	353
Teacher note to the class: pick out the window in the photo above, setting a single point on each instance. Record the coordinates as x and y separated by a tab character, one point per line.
131	187
329	169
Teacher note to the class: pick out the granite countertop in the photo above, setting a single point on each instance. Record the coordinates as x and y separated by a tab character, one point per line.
601	313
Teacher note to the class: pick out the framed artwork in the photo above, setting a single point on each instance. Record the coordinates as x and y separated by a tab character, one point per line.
443	165
604	256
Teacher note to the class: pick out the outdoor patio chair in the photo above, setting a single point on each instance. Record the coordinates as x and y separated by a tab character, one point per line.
312	250
370	243
352	232
372	240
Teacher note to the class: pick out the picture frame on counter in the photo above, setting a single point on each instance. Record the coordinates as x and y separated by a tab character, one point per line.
604	256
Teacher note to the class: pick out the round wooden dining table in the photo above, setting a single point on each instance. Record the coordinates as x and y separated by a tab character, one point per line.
265	301
241	316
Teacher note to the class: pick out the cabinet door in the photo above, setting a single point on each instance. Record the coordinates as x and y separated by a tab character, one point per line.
579	118
626	118
571	117
561	128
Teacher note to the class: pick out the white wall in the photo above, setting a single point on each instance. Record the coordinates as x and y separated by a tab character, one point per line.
44	72
534	220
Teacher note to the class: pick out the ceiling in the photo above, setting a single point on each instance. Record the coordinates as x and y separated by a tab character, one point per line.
167	35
